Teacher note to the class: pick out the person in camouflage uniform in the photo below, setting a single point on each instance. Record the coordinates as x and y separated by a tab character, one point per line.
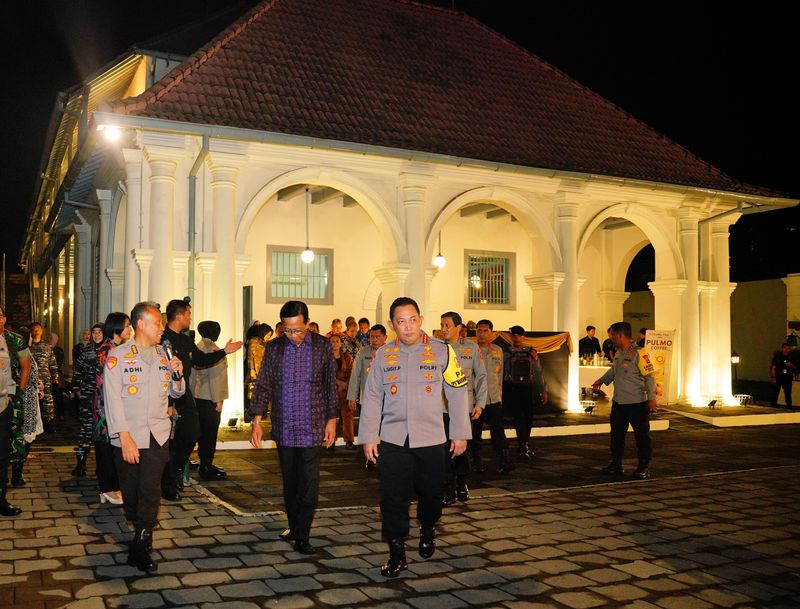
48	372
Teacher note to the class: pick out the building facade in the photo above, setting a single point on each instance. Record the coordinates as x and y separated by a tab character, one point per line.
195	181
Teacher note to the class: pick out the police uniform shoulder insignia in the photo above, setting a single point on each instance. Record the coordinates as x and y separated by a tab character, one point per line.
134	350
453	374
111	362
646	366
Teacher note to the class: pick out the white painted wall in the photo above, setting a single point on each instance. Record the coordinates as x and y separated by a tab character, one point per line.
348	231
478	233
758	325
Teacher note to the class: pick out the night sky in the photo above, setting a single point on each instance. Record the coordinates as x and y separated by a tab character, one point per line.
714	81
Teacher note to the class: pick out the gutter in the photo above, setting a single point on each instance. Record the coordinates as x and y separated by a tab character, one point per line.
254	135
198	163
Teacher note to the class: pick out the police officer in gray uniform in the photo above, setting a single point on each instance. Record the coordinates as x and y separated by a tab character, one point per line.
138	379
632	373
403	405
361	366
471	360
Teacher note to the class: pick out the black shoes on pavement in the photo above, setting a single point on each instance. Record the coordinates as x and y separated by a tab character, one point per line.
397	559
642	472
427	542
80	467
139	552
613	469
524	453
302	546
212	472
6	509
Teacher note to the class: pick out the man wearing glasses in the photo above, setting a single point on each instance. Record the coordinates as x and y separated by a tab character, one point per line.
298	378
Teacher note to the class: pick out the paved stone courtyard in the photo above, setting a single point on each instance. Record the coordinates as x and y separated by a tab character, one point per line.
717	526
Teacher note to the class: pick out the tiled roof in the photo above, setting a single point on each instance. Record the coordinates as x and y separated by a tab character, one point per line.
404	75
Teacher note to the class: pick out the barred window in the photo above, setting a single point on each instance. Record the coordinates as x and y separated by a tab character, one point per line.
289	278
489	279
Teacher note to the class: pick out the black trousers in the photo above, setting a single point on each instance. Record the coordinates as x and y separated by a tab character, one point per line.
5	444
521	403
187	433
785	383
105	469
405	472
208	418
638	416
493	415
454	469
300	471
140	483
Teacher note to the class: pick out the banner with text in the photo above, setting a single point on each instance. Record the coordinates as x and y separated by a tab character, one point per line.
661	346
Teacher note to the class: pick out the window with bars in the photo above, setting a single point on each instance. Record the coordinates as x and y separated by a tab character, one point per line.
289	278
489	279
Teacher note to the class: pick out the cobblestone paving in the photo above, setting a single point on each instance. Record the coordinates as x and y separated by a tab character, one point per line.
699	540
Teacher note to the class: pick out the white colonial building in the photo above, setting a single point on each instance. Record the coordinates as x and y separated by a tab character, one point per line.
380	134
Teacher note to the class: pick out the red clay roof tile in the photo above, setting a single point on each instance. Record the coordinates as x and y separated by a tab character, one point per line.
402	75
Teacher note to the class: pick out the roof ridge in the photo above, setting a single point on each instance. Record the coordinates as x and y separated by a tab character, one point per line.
196	59
575	82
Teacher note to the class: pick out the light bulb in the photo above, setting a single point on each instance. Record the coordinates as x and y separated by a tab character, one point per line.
439	261
307	256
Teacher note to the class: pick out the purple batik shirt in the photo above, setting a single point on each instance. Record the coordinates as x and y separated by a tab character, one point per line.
294	429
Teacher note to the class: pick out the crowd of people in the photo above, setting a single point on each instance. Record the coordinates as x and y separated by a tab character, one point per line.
148	395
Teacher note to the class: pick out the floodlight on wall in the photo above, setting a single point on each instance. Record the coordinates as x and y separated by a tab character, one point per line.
735	358
111	133
308	255
439	261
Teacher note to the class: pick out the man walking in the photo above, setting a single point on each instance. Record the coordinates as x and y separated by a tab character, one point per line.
403	405
781	372
361	367
298	378
138	380
187	427
632	373
527	387
493	413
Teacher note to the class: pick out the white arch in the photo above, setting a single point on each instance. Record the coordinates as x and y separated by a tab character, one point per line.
507	199
388	228
669	262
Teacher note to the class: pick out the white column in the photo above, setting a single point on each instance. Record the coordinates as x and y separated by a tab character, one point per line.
144	258
83	276
669	297
162	210
414	188
708	328
104	287
393	281
223	197
690	390
567	214
133	206
722	309
206	263
544	307
612	303
180	263
115	279
235	405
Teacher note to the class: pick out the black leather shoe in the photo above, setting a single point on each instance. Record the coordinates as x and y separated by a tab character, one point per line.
211	473
462	492
613	469
449	497
350	446
427	542
139	553
286	535
6	509
642	472
397	559
302	546
171	495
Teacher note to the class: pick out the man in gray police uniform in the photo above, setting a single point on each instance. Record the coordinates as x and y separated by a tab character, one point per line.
403	405
361	366
138	377
634	399
471	360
